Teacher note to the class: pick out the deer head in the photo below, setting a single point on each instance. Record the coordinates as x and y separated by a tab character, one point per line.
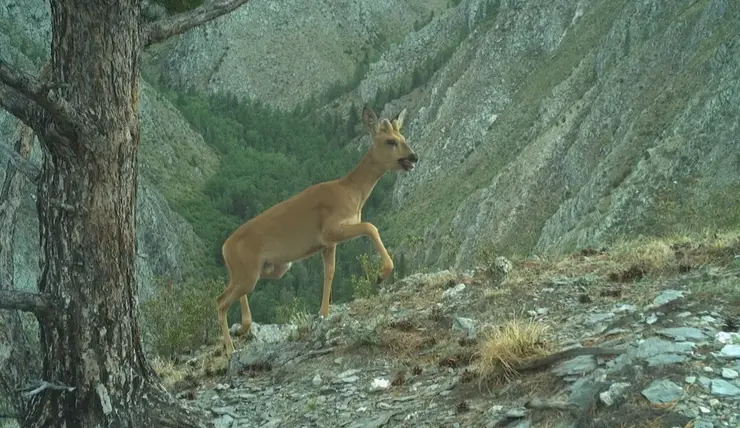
389	147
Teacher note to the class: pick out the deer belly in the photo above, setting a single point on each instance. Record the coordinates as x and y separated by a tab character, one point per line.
287	251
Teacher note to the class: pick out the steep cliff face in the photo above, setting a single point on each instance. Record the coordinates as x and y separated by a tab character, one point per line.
568	124
283	52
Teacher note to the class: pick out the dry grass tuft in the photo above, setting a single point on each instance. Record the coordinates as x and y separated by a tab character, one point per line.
401	343
169	373
509	345
650	254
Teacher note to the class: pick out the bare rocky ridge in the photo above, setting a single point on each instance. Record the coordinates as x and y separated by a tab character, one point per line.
283	52
411	356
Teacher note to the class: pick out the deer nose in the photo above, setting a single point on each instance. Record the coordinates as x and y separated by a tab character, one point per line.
413	157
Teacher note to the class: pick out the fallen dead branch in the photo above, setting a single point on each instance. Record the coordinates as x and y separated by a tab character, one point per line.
551	359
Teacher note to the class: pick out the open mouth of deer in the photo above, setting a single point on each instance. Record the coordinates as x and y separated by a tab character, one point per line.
406	164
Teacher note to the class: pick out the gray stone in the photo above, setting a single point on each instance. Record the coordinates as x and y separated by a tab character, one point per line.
317	380
376	422
703	424
598	317
254	354
655	346
730	351
729	373
683	333
665	359
666	296
576	366
224	421
614	393
625	308
454	292
273	423
705	381
584	393
273	333
465	325
517	413
724	388
662	391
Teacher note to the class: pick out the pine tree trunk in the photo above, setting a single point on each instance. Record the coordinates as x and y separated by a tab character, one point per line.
13	344
86	207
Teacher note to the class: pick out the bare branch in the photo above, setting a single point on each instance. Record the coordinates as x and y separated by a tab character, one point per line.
20	107
161	30
43	385
566	354
36	303
23	165
64	115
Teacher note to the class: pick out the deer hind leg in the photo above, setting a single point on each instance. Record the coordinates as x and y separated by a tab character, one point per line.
269	271
345	232
329	254
242	281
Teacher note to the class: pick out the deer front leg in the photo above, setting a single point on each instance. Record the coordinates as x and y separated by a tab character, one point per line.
329	259
345	232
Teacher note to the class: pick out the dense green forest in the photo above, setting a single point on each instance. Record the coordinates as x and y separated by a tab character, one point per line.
267	156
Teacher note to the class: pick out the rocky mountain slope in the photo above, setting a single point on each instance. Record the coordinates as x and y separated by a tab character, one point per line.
284	52
567	124
542	127
648	333
253	52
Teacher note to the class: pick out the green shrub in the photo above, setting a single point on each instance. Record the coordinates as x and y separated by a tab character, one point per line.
180	318
364	285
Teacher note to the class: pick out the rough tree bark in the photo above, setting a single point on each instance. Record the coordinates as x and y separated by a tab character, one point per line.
14	345
88	127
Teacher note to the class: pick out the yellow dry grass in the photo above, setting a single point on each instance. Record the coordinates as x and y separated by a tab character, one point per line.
403	344
652	254
205	365
169	373
505	347
628	258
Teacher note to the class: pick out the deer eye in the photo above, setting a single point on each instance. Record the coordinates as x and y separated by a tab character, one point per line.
392	142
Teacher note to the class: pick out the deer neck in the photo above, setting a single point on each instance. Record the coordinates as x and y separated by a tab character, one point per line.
365	176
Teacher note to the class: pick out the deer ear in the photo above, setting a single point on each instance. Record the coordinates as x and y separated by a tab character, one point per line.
369	118
398	120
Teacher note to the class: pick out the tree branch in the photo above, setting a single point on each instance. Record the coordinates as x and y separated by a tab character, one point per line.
36	303
26	167
20	107
63	114
162	29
